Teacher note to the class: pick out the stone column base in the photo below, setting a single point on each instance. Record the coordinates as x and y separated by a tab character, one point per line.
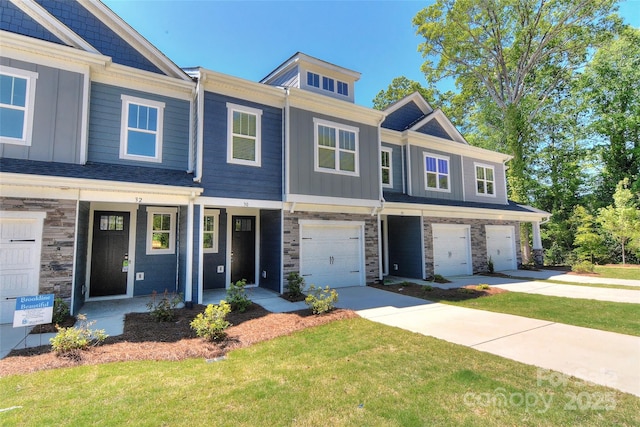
538	257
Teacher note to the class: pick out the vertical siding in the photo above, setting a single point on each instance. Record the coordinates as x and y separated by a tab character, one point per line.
404	239
270	248
418	186
304	180
104	127
211	261
222	179
396	167
82	246
57	119
470	182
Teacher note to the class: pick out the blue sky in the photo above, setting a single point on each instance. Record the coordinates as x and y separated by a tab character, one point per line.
249	39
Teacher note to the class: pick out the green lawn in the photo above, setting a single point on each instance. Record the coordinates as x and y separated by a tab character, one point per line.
632	273
351	372
608	316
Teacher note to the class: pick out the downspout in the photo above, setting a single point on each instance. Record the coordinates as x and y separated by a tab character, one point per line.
408	161
285	178
75	256
200	125
193	123
404	181
188	283
381	198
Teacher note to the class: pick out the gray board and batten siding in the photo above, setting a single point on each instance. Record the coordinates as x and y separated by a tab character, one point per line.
57	119
470	182
223	179
418	187
396	166
304	180
105	123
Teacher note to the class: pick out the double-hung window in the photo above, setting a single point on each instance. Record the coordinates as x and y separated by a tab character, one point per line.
385	164
161	230
336	148
210	231
141	129
17	98
313	79
436	172
485	180
244	129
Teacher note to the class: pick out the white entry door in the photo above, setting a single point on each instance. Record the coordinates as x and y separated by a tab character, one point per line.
332	254
20	247
451	250
501	247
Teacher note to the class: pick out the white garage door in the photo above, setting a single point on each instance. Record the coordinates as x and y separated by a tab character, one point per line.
501	247
332	253
451	250
20	243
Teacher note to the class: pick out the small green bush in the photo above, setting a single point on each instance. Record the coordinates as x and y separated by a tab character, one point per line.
321	300
582	267
482	287
438	278
427	288
162	310
60	311
69	342
237	296
490	267
211	324
465	290
295	284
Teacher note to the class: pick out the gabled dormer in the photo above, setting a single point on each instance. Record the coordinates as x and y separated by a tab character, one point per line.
306	72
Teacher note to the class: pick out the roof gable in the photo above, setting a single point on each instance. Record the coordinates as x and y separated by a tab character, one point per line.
16	20
402	114
437	124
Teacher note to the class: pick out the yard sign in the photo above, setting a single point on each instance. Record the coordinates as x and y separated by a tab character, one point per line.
33	310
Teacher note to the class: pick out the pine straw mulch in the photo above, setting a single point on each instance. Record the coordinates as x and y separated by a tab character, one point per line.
146	339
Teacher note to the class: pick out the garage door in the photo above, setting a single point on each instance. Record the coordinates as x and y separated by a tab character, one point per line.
20	243
332	254
451	250
501	247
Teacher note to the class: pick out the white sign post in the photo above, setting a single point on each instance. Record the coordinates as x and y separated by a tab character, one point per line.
33	310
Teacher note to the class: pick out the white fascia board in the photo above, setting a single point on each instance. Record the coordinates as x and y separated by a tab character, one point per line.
120	27
452	147
335	201
305	100
303	57
224	202
310	207
236	87
444	121
392	136
416	98
132	78
53	25
460	212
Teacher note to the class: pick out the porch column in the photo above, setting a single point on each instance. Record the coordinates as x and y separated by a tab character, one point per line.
538	253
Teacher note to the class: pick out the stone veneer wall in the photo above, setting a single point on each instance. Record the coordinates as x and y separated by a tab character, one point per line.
291	239
58	234
478	240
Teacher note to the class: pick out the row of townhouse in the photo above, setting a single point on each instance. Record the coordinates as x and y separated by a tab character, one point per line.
122	174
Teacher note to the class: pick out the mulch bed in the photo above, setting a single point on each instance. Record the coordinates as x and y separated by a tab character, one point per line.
293	298
439	294
146	339
51	327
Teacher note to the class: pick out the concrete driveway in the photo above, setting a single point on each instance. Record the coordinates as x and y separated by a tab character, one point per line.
605	358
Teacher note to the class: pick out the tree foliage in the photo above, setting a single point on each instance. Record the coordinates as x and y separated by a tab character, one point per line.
398	89
622	219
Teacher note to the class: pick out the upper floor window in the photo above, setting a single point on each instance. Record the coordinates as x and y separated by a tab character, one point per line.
485	181
210	231
336	147
141	129
436	172
313	79
327	84
161	230
343	88
244	129
17	99
385	164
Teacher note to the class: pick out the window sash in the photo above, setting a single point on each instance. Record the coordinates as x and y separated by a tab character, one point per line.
343	88
485	180
385	165
436	173
210	231
17	98
141	135
244	128
161	231
313	79
339	155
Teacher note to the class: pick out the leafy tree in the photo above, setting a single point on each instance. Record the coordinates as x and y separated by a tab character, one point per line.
590	245
622	219
398	89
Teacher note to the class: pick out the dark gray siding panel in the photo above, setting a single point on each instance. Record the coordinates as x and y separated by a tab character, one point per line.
396	166
222	179
403	117
418	188
57	118
434	128
305	181
212	279
104	127
270	248
82	244
405	242
470	181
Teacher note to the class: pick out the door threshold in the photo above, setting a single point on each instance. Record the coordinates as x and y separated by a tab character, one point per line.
108	298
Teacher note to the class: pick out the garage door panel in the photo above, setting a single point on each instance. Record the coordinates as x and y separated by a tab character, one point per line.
451	250
501	247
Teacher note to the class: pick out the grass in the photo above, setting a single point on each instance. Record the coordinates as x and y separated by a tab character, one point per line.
631	273
607	316
591	285
352	372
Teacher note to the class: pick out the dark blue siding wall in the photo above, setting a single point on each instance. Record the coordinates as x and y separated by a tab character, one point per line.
16	21
104	127
270	249
403	117
434	128
90	28
82	242
221	179
405	240
211	261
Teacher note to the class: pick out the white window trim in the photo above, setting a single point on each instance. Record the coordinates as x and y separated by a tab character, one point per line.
338	83
390	151
475	173
172	230
424	167
124	126
215	213
30	98
337	127
319	80
248	110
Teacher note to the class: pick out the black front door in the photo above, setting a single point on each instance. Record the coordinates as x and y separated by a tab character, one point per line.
109	257
243	249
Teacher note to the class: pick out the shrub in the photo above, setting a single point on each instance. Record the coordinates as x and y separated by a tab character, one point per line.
482	287
427	288
60	311
490	267
162	310
211	324
321	300
438	278
295	284
237	296
582	267
69	342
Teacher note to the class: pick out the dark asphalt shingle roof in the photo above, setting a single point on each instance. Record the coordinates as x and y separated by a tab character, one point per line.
393	197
